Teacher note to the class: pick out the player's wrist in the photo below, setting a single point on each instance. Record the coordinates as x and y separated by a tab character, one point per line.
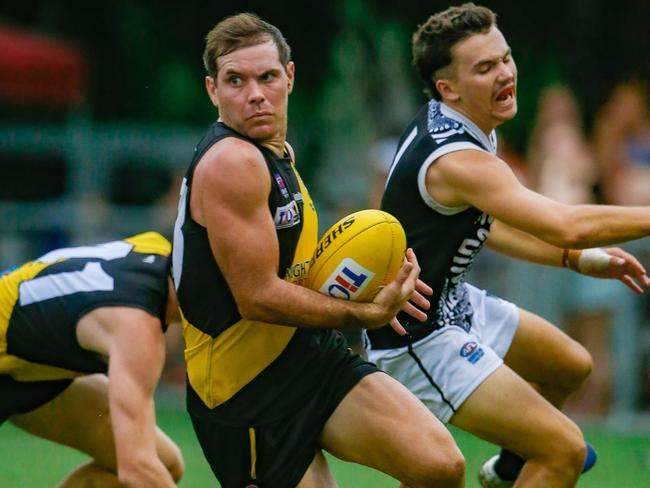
586	261
377	314
571	259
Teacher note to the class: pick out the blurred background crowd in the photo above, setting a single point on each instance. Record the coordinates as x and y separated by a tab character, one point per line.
101	105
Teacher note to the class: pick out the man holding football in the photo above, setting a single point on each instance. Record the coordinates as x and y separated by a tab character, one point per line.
270	383
480	362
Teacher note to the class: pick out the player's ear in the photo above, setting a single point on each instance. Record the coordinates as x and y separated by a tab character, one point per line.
291	75
211	88
447	90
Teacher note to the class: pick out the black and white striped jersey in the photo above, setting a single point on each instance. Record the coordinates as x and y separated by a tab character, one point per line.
445	240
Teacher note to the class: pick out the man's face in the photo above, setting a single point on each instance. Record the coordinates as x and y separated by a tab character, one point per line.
252	91
483	80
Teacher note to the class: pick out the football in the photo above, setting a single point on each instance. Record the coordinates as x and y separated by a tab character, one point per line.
358	256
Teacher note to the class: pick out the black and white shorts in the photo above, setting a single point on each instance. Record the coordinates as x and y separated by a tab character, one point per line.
445	367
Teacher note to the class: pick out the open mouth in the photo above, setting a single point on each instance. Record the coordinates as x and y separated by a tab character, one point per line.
506	94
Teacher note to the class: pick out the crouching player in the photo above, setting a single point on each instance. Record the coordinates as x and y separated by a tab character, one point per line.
81	350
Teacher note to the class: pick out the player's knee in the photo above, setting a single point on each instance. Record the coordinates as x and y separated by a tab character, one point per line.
566	454
580	368
444	468
175	464
576	367
575	448
451	472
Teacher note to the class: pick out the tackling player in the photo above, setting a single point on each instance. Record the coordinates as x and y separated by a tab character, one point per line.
480	362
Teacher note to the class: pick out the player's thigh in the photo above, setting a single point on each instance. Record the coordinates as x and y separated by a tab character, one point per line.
318	475
507	411
541	353
78	417
381	424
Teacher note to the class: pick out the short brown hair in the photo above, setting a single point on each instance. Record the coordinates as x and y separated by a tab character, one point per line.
433	40
238	31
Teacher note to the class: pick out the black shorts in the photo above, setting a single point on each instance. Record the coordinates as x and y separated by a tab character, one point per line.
277	455
24	396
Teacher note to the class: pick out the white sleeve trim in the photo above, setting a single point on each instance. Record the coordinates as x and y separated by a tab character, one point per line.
422	186
400	152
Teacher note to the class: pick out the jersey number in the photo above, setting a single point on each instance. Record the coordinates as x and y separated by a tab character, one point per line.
91	278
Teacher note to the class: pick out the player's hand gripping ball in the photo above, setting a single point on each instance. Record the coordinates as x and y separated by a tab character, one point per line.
358	256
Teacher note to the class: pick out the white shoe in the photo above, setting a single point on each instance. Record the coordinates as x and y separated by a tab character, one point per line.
488	478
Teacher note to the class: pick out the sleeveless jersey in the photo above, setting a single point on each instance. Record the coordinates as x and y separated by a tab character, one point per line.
42	301
445	240
242	371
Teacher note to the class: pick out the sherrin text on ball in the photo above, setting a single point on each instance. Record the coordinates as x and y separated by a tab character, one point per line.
358	255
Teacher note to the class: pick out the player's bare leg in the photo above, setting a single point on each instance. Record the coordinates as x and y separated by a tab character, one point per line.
548	358
79	418
507	411
90	475
553	363
318	474
382	425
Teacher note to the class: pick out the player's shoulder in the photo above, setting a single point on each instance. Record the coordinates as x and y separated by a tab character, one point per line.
230	157
234	149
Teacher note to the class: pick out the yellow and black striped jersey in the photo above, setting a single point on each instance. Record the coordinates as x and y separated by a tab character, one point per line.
42	301
238	368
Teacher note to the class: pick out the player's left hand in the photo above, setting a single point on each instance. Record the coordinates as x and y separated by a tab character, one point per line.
621	266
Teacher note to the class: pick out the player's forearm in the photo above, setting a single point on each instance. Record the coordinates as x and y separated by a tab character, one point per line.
522	245
135	440
285	303
601	225
584	226
133	375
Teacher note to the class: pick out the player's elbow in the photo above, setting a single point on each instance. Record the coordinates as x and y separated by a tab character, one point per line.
571	232
570	239
257	305
250	309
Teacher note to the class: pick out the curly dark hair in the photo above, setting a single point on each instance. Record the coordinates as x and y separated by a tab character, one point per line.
433	40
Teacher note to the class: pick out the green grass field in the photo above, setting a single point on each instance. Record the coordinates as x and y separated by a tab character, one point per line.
28	462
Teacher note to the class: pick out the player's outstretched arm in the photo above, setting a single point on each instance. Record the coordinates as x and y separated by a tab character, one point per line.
133	341
484	181
614	263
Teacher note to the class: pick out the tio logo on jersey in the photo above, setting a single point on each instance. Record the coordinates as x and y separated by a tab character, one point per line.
347	281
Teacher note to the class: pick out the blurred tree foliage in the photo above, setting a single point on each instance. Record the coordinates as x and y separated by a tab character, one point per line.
145	57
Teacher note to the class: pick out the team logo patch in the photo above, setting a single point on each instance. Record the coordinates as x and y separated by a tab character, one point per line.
347	281
472	351
287	216
281	185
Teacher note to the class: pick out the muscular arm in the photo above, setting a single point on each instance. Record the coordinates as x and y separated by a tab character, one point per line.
487	183
230	195
134	342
